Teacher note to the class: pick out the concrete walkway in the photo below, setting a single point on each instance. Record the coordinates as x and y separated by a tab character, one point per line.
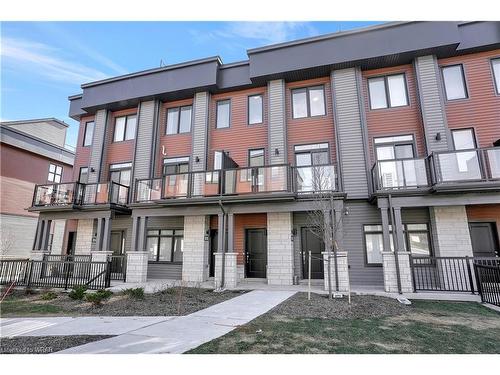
183	333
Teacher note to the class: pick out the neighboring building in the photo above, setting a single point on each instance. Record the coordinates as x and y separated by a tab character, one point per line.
31	152
178	163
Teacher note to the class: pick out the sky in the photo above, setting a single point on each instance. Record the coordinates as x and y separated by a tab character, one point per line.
42	63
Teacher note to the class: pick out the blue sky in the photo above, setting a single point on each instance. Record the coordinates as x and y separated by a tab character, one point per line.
42	63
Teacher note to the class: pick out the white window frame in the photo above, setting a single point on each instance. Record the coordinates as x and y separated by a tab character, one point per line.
55	173
464	82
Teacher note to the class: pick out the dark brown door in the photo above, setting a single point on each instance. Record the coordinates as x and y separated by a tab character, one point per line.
256	252
116	245
484	239
70	249
213	249
311	242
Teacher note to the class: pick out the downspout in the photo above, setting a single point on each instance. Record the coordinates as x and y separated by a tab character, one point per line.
334	246
223	239
396	246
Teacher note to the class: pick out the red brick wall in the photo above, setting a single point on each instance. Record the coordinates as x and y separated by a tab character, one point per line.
481	110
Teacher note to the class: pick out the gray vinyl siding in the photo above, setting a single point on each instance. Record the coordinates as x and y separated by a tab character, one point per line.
360	274
431	103
165	270
98	145
277	122
350	139
200	131
19	232
145	139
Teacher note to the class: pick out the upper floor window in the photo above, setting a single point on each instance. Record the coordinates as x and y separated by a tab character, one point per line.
388	91
83	177
454	82
175	165
255	109
315	154
463	139
308	102
223	113
120	173
495	66
55	173
397	147
179	120
89	133
125	128
256	157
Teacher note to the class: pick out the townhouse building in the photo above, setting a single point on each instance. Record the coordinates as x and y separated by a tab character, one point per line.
31	152
205	170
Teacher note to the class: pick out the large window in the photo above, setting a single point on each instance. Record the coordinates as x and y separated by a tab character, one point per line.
120	173
416	240
83	177
179	120
223	114
397	147
175	165
308	102
55	173
165	245
315	154
454	82
125	128
89	133
388	91
495	66
256	157
255	109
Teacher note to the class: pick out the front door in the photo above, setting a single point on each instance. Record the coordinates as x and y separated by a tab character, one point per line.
256	253
213	249
484	239
311	242
116	244
70	249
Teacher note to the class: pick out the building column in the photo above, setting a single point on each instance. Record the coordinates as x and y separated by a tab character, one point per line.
279	248
386	233
102	251
450	231
390	274
196	247
137	258
343	271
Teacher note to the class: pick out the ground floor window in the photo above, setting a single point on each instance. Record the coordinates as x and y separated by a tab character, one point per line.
416	240
165	245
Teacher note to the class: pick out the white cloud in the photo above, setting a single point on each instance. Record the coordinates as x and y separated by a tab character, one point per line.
44	60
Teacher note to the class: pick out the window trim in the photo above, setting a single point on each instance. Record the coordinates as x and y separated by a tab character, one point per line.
262	109
387	91
496	87
217	113
413	143
308	102
158	243
85	134
125	128
311	151
256	149
55	173
464	81
178	125
460	129
186	161
112	169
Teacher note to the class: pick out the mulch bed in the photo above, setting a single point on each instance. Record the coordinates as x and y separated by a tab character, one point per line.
44	344
321	307
167	302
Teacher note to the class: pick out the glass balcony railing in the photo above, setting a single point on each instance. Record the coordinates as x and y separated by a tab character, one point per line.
270	179
105	193
475	165
400	174
148	190
315	179
56	194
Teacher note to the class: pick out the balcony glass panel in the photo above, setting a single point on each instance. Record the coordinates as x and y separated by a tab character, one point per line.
205	184
175	185
315	179
96	193
458	166
405	173
148	190
493	161
269	179
119	194
56	194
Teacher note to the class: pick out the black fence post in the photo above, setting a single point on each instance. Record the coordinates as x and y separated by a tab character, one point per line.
478	282
412	270
30	273
66	279
469	272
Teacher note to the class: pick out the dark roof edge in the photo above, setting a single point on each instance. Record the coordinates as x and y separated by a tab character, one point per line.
30	121
76	96
235	64
154	70
328	36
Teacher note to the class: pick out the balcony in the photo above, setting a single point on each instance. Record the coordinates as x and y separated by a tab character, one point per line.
229	184
400	174
447	170
472	168
74	194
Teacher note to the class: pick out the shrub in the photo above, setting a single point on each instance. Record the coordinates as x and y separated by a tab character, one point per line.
97	297
47	296
136	293
78	292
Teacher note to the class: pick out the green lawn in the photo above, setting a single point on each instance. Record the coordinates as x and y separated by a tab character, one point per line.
423	327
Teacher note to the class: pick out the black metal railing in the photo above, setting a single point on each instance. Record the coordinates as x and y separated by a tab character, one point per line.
459	166
400	174
55	273
57	194
118	267
488	282
105	193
